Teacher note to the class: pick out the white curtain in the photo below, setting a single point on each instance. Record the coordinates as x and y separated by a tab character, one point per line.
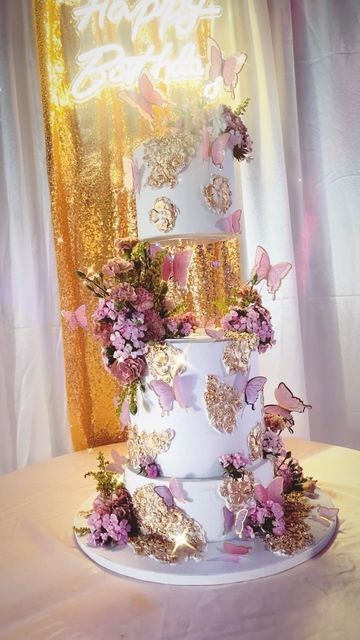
33	421
300	203
301	195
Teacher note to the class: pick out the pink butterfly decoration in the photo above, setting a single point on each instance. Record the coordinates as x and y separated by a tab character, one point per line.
230	224
240	519
273	274
76	318
177	267
215	334
328	512
215	150
287	403
236	549
272	492
228	69
173	491
132	174
252	388
118	465
145	98
125	414
229	520
167	394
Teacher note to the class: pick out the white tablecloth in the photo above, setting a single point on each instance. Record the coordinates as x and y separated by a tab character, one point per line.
50	590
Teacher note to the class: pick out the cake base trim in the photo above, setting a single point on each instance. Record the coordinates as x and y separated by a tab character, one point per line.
215	566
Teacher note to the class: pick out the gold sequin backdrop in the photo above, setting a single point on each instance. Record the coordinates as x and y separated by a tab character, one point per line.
91	208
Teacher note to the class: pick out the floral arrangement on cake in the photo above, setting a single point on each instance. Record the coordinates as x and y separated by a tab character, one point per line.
133	311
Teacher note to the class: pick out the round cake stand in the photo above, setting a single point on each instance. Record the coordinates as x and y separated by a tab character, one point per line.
215	566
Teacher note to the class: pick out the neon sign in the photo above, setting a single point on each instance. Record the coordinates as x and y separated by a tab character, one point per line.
108	65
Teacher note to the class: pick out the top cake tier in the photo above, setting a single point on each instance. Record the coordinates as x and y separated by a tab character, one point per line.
195	202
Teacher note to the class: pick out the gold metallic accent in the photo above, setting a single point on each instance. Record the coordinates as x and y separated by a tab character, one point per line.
167	157
164	214
237	491
167	533
165	362
222	402
255	442
147	445
297	536
217	194
237	353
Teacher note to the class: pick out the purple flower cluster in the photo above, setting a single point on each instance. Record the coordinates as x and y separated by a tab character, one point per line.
107	529
149	468
181	325
251	319
237	460
264	518
240	140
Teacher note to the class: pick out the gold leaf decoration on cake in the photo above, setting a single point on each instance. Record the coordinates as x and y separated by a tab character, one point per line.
166	157
217	194
167	533
237	491
164	214
298	534
255	442
142	444
165	362
222	402
237	352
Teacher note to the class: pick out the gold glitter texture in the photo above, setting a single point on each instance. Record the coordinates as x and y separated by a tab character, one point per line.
147	445
298	535
237	353
167	157
237	491
167	533
165	362
222	402
217	194
164	214
255	442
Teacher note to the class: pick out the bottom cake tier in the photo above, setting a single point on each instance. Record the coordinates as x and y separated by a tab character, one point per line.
205	498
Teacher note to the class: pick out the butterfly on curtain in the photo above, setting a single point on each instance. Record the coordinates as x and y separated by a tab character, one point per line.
132	174
76	318
228	69
177	267
167	394
174	491
273	274
146	98
230	224
287	403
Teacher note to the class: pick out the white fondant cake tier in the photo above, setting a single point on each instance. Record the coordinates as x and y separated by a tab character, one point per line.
196	446
194	217
205	504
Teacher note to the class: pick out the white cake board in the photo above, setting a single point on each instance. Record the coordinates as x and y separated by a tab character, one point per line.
215	567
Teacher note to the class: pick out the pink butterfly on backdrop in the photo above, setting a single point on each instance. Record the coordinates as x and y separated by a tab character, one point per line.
132	174
287	403
273	274
230	224
215	150
228	69
173	491
167	394
177	267
76	318
272	492
145	98
252	388
118	465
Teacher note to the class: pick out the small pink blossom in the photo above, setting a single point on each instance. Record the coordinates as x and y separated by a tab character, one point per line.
129	370
144	300
116	266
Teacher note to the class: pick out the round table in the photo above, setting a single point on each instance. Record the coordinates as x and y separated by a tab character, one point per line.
51	590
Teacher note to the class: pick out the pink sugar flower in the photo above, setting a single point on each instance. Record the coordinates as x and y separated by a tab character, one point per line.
144	299
116	266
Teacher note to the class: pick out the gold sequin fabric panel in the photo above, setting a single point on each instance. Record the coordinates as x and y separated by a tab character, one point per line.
147	445
222	402
167	533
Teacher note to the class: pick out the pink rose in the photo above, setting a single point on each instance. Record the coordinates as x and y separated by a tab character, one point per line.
144	299
125	244
129	370
116	266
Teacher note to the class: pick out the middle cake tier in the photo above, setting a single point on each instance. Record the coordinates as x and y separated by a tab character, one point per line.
193	408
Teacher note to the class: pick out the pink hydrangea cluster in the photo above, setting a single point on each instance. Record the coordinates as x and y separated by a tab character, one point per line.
181	325
251	319
107	529
237	460
264	518
273	444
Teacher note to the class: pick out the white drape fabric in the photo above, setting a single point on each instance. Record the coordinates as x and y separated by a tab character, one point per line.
301	195
300	203
33	421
